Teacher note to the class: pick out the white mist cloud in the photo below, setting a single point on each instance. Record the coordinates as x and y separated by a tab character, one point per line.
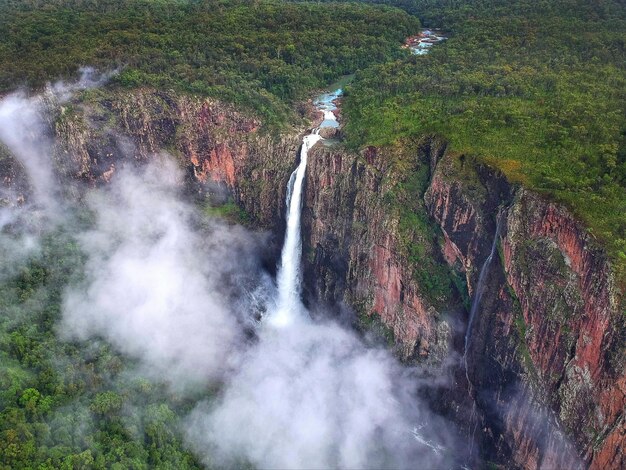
27	134
23	132
89	78
313	396
154	288
18	239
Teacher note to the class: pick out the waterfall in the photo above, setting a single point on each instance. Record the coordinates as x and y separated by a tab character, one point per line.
289	306
480	290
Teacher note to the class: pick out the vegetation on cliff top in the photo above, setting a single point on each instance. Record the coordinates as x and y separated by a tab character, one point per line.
259	55
537	89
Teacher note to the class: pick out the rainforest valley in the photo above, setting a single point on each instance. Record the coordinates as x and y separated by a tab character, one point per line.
208	262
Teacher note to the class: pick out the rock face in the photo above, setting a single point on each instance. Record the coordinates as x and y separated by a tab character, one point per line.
546	357
218	146
353	252
575	331
13	180
550	328
545	360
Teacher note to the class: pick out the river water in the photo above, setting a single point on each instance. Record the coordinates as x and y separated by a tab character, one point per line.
421	44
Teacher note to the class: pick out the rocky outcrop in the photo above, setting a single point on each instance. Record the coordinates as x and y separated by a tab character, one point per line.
575	332
550	327
220	148
13	180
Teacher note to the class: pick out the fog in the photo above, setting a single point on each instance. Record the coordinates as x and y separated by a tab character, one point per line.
313	396
152	286
185	298
160	288
26	133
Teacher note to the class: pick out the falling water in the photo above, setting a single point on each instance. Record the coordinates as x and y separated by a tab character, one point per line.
480	290
288	306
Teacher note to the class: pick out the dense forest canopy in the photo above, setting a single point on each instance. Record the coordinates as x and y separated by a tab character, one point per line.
260	55
537	89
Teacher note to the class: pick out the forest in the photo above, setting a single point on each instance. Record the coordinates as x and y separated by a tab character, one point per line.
536	89
72	404
261	56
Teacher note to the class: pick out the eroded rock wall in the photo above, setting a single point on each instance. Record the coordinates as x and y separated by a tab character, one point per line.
354	252
216	144
548	350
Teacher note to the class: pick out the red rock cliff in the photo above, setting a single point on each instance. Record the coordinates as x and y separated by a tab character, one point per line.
354	252
551	319
215	143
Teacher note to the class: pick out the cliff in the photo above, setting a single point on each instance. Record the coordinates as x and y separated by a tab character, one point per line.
549	335
546	358
220	148
403	244
223	149
355	252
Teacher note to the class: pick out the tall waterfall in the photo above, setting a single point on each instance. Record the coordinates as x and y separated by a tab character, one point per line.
288	305
480	290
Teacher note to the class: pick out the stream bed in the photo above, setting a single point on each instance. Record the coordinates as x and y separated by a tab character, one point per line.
421	43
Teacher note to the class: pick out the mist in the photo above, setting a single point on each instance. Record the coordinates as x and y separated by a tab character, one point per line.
313	396
25	136
26	129
154	287
185	298
24	133
178	296
34	206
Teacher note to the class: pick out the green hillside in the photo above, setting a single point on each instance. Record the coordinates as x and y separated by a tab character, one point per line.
537	89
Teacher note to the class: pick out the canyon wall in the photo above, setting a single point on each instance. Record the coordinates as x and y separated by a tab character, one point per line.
221	149
550	332
354	252
546	356
546	360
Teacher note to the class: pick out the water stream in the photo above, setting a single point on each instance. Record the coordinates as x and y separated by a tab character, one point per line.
480	290
289	307
421	43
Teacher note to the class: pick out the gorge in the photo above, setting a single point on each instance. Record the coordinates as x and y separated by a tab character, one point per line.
506	362
280	297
